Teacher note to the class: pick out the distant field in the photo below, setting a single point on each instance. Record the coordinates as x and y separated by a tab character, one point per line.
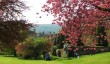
103	58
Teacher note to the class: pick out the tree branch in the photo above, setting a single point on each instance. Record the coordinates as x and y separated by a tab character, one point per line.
103	9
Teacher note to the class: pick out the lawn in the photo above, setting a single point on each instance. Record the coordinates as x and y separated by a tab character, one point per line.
103	58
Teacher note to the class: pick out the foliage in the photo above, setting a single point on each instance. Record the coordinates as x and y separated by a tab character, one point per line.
33	48
11	9
8	51
60	41
77	16
101	36
13	32
12	29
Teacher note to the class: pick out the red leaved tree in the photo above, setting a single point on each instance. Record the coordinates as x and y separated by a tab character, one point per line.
80	18
12	29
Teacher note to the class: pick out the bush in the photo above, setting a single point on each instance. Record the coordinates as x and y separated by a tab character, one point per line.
7	51
33	48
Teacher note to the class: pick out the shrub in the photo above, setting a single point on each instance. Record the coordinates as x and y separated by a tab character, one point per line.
7	51
33	48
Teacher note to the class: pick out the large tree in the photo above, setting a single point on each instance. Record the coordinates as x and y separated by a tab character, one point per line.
79	17
12	29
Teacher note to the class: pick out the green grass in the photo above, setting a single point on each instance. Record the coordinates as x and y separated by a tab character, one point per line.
103	58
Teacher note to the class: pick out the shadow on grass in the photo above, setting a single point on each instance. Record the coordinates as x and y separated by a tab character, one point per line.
9	56
61	58
53	58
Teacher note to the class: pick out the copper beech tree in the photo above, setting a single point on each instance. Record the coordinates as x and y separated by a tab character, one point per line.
12	29
80	19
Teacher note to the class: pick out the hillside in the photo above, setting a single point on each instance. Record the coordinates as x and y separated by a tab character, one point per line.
47	28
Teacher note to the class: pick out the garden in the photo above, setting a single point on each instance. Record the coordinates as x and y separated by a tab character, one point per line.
84	36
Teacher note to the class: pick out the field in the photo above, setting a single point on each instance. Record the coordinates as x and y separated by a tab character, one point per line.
103	58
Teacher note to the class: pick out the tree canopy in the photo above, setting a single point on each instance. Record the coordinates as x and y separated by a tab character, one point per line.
13	32
79	17
11	9
12	29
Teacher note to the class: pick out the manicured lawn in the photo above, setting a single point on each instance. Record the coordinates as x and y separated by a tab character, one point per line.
103	58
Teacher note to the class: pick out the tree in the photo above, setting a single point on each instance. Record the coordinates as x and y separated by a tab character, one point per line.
79	17
60	41
12	29
11	9
101	35
13	32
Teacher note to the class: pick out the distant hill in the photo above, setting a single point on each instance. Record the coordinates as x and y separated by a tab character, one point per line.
47	28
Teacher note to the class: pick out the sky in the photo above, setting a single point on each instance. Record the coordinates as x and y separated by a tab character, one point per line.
35	6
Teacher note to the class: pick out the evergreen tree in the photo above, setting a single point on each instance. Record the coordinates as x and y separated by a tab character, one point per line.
79	42
101	36
60	40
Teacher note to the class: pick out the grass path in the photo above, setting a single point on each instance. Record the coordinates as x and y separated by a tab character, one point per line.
103	58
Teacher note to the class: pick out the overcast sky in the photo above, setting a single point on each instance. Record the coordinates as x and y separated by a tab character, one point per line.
35	6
